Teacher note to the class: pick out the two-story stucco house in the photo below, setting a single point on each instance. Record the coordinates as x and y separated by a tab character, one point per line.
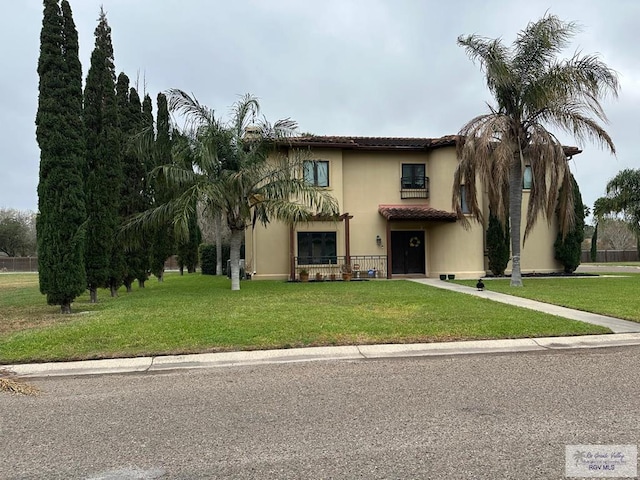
396	216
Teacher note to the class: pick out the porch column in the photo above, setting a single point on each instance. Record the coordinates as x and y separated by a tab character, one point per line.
347	239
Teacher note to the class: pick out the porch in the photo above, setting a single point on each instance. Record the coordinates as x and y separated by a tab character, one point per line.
330	268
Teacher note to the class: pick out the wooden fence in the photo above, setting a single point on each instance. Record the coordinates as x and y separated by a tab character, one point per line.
607	256
30	264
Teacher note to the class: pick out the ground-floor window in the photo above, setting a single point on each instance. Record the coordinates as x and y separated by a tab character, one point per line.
316	248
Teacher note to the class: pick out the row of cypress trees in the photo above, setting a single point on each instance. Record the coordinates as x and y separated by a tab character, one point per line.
91	179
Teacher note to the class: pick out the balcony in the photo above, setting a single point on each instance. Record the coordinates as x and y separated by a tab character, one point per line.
414	187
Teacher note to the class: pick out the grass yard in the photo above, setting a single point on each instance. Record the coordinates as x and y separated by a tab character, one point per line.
197	313
617	295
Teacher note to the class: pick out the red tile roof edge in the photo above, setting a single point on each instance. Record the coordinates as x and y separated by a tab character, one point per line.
385	143
415	212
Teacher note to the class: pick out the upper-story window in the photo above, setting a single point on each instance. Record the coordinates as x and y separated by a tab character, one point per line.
464	205
316	172
413	175
527	177
414	183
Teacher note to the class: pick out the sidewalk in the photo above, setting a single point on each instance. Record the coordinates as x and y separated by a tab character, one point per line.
616	325
625	334
293	355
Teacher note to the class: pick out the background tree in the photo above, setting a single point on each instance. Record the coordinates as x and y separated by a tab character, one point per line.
615	234
533	90
568	248
251	181
104	262
214	231
59	132
187	248
497	245
17	232
623	198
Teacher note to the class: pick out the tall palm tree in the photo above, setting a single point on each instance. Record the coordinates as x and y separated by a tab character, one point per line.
623	197
238	169
533	90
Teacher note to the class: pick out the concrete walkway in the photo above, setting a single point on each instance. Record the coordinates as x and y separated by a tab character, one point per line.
616	325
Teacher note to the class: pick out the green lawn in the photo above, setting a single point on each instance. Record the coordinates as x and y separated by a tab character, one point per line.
197	313
617	295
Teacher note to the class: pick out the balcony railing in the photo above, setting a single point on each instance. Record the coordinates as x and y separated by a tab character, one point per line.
414	187
329	268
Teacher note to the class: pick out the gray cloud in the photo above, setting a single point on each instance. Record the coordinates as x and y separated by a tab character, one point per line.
359	67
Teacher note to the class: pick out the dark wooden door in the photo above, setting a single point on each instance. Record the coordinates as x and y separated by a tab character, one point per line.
407	252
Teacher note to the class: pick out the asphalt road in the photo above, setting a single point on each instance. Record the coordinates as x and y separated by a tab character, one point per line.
464	417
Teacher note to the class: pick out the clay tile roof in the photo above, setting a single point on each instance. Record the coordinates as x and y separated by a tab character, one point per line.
384	143
415	212
372	143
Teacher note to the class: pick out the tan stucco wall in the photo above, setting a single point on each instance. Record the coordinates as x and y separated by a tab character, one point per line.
269	251
373	179
537	254
454	250
442	165
361	181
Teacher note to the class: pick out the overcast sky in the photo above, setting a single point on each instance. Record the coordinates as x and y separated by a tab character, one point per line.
337	67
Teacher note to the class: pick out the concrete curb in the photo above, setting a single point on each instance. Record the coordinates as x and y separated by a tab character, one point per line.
356	352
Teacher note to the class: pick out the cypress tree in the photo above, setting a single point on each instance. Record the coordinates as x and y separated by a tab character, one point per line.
162	241
498	240
104	171
569	249
147	191
59	132
594	245
132	195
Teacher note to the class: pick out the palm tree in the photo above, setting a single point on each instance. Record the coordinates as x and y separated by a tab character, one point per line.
533	90
623	197
237	169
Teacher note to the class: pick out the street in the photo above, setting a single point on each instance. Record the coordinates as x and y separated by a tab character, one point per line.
464	417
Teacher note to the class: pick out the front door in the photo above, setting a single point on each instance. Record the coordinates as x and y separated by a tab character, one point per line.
407	252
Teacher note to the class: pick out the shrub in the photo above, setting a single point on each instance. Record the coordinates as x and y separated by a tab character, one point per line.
497	245
569	249
207	254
